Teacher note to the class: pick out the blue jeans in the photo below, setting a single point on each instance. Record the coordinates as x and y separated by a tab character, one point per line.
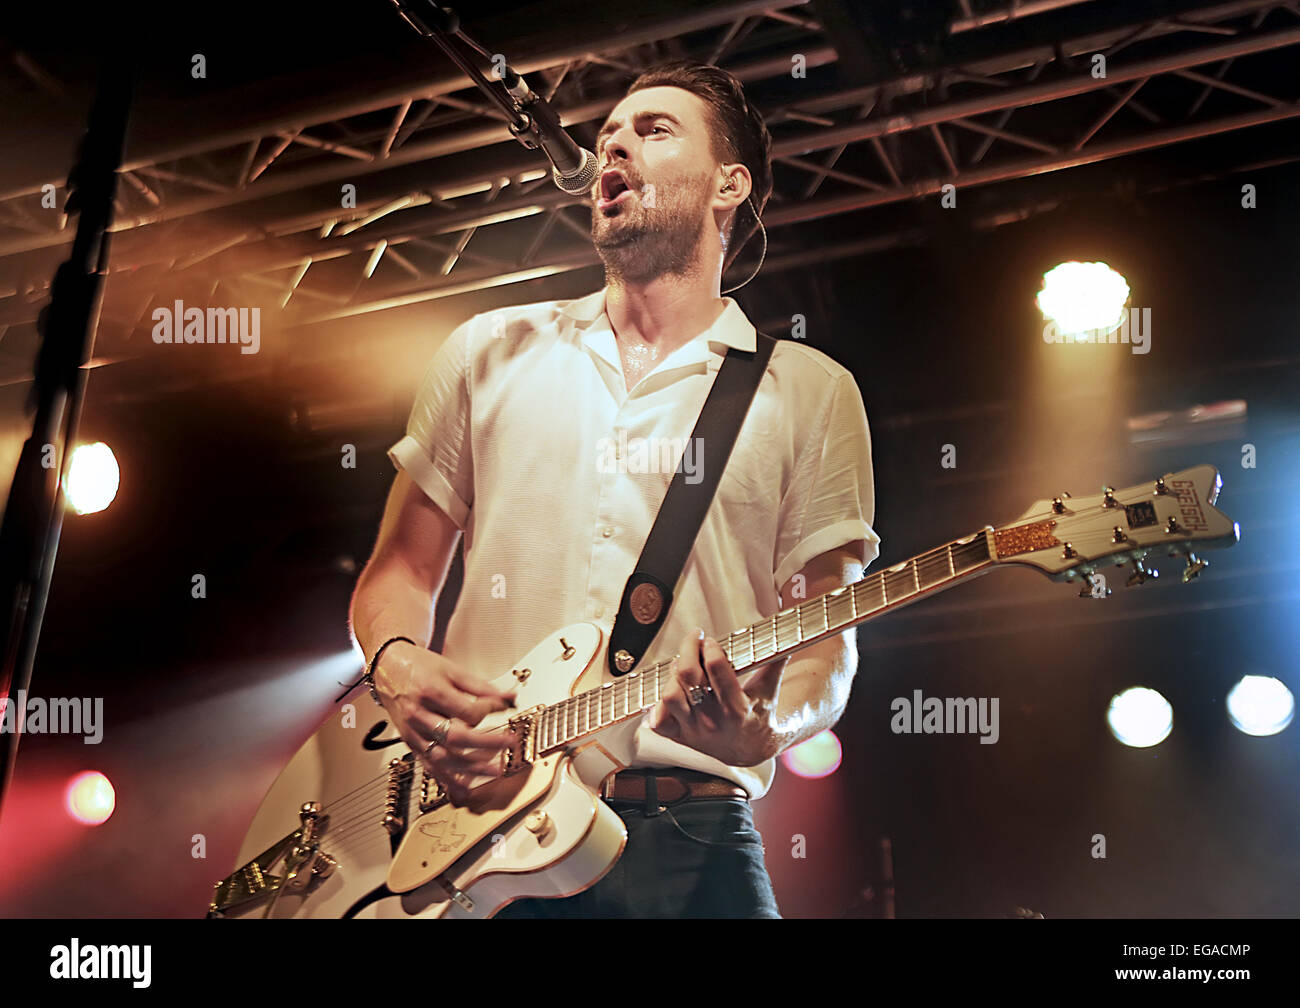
700	858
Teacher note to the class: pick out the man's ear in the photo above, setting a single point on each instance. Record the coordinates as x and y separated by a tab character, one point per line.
734	187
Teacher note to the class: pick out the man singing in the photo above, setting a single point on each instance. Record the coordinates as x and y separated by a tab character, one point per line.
508	442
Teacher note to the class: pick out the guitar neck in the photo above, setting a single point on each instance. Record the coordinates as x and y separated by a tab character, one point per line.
766	640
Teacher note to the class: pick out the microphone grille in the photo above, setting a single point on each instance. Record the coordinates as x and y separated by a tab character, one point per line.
581	179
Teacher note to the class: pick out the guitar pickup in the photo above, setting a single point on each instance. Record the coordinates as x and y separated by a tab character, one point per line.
523	742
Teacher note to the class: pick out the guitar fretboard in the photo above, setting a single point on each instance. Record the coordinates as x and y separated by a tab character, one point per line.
562	724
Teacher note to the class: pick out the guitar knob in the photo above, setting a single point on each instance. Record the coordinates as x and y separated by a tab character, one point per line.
1194	567
539	824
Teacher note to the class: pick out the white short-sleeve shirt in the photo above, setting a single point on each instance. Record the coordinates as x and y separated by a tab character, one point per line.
524	433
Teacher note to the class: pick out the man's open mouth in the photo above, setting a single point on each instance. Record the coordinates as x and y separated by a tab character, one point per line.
613	187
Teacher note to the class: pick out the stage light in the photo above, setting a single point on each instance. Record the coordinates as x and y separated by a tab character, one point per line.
90	798
92	478
819	756
1085	300
1140	717
1260	705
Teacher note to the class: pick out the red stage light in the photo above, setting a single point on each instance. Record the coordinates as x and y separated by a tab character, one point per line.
819	756
90	798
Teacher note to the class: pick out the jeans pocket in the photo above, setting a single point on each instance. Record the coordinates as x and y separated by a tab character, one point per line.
726	823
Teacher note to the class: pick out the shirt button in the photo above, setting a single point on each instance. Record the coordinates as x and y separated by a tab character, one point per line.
598	613
607	531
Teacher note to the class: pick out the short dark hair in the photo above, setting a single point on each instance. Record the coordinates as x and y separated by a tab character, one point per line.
739	134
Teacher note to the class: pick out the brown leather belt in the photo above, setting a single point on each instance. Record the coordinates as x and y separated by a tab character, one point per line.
670	786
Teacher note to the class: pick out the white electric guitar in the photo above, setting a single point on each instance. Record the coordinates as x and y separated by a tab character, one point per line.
354	827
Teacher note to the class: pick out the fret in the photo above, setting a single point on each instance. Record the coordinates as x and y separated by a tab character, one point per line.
739	657
839	609
815	624
929	572
948	550
873	593
916	577
896	583
787	629
765	641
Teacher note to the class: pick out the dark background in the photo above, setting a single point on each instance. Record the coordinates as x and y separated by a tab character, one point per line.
223	474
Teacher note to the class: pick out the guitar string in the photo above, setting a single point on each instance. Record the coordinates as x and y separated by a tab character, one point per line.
931	561
571	708
578	710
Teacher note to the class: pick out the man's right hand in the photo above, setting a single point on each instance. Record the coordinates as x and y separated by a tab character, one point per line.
426	694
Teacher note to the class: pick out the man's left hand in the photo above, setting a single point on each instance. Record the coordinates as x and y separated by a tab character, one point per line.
734	723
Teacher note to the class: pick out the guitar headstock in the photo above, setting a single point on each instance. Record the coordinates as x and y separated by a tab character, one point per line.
1070	538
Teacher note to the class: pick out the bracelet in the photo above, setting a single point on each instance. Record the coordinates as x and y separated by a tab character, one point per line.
368	677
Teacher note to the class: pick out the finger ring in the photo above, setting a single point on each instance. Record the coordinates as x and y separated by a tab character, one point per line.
696	694
440	734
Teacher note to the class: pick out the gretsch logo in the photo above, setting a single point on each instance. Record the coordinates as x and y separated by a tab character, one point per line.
1191	514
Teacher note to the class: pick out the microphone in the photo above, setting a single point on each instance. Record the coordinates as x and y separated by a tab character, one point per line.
574	168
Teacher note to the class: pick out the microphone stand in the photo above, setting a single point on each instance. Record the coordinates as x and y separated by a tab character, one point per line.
33	518
521	106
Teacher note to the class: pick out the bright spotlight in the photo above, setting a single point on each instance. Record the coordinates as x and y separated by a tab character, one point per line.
1260	705
90	798
819	756
92	478
1140	717
1083	299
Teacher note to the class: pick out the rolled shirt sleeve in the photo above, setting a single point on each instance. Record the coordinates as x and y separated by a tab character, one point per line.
435	451
831	502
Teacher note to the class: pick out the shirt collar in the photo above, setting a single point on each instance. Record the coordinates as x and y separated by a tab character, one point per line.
732	328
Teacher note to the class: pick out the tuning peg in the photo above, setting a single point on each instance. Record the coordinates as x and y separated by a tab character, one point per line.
1058	503
1141	574
1194	567
1108	497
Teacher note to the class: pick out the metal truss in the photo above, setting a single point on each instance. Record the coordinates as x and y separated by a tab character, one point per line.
447	202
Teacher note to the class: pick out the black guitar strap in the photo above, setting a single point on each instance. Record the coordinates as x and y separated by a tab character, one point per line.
648	595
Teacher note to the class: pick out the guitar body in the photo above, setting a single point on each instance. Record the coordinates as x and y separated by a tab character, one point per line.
376	838
376	850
